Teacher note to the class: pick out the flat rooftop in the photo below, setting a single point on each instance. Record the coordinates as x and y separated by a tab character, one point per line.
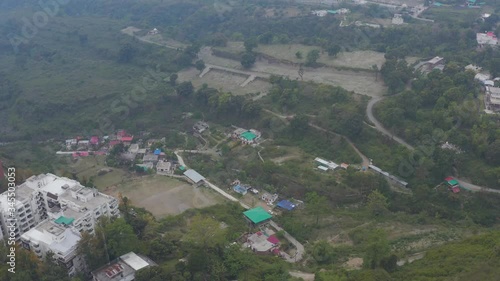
48	233
62	188
125	265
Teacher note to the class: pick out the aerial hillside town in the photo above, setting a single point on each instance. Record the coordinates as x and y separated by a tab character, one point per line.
305	140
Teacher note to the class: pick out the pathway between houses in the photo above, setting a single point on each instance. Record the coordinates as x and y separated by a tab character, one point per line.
298	246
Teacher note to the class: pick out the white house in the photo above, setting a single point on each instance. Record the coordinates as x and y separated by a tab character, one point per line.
488	38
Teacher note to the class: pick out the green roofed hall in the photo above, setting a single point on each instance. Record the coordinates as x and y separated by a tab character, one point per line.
64	220
453	182
249	136
257	215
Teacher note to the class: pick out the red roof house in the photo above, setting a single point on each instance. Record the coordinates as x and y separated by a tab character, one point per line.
121	133
127	138
94	140
113	143
273	239
455	189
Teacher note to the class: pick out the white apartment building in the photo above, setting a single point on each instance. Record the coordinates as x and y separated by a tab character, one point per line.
51	212
48	196
49	236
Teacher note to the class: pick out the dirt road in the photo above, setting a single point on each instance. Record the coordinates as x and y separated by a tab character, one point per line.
365	160
379	127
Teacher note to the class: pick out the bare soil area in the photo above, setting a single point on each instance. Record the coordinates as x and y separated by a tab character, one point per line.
164	196
357	59
354	263
223	80
361	82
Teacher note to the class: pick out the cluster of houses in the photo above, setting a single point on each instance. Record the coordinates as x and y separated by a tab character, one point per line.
322	13
251	136
436	63
492	93
149	159
95	145
325	165
200	127
486	39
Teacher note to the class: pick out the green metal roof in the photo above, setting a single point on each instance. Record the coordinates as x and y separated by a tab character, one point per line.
182	168
257	215
248	135
64	220
453	182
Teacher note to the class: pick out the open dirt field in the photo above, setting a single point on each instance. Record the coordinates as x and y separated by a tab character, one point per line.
224	80
88	167
357	59
361	82
164	196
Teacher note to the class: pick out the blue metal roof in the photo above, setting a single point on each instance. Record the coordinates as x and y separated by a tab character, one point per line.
285	204
157	151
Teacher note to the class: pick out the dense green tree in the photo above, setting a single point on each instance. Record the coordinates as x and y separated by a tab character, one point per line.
173	79
126	53
312	57
377	203
323	252
185	89
93	249
152	273
376	249
299	126
333	50
248	59
298	55
492	155
50	270
316	205
120	238
200	65
205	233
250	44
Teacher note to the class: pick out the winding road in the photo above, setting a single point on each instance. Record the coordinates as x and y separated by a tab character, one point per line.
379	127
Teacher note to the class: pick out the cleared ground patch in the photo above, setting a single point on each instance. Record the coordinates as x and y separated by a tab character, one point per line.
357	59
94	167
224	80
164	196
361	82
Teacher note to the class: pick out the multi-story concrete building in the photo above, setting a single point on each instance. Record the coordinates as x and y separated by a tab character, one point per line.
51	212
48	196
61	240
